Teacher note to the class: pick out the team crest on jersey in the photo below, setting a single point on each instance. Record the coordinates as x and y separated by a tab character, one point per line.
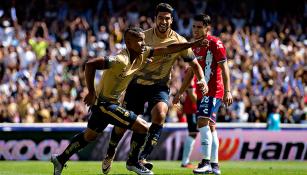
219	44
126	114
197	49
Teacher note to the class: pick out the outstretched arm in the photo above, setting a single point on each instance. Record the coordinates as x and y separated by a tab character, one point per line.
90	68
177	47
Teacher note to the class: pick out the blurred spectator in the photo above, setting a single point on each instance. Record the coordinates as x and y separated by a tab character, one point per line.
273	121
43	47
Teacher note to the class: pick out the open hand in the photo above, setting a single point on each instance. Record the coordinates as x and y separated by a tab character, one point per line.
176	99
203	87
90	99
227	99
202	42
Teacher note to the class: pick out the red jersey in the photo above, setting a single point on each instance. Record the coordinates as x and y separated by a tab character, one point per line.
198	92
208	58
190	107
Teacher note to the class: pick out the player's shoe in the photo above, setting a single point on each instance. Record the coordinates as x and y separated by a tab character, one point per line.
215	169
188	165
146	164
138	168
57	166
107	163
203	168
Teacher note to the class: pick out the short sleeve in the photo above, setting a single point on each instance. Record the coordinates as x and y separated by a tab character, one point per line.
187	55
148	53
110	61
220	52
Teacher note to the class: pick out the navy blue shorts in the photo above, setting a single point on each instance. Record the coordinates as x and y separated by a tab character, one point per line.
192	122
137	95
209	107
105	113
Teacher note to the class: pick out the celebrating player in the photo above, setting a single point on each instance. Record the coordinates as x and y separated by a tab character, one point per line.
105	109
152	82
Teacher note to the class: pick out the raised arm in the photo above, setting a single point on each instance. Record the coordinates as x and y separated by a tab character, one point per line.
34	30
90	68
45	29
177	47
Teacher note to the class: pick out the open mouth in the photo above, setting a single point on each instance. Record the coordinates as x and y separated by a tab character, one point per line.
143	49
163	26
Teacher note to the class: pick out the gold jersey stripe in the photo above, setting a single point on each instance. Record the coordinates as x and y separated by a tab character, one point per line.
114	116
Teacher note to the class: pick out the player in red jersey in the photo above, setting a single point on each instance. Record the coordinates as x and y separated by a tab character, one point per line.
190	109
214	62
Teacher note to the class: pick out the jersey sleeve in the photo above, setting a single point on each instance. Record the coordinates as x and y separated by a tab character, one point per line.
220	52
187	55
148	53
110	61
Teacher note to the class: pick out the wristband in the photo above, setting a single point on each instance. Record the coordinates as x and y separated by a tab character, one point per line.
201	81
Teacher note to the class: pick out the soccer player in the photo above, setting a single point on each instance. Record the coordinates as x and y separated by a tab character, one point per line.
214	63
152	82
190	109
105	108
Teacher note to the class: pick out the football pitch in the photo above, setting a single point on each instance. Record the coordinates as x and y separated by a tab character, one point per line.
160	167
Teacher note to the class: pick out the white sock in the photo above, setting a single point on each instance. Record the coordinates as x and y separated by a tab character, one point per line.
187	150
206	142
215	148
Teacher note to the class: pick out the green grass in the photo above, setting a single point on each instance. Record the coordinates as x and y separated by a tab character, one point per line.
160	167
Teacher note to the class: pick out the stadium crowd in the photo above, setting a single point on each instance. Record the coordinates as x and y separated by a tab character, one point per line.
44	44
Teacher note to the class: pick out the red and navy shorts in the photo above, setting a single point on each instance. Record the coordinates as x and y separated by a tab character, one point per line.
208	108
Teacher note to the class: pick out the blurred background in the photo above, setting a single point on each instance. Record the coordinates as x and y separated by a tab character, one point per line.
45	43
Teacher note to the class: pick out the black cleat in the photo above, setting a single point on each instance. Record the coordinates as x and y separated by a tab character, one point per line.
146	164
138	168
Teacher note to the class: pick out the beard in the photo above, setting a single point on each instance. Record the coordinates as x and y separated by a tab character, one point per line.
162	29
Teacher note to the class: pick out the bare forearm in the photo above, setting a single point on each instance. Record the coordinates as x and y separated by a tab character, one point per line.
89	77
186	81
226	76
192	95
198	71
90	68
173	48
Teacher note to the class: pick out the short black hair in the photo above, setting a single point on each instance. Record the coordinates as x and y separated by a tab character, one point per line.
203	18
164	7
134	31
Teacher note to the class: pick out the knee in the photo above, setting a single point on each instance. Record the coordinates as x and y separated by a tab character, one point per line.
119	130
141	126
212	127
90	136
159	114
193	135
144	126
202	122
